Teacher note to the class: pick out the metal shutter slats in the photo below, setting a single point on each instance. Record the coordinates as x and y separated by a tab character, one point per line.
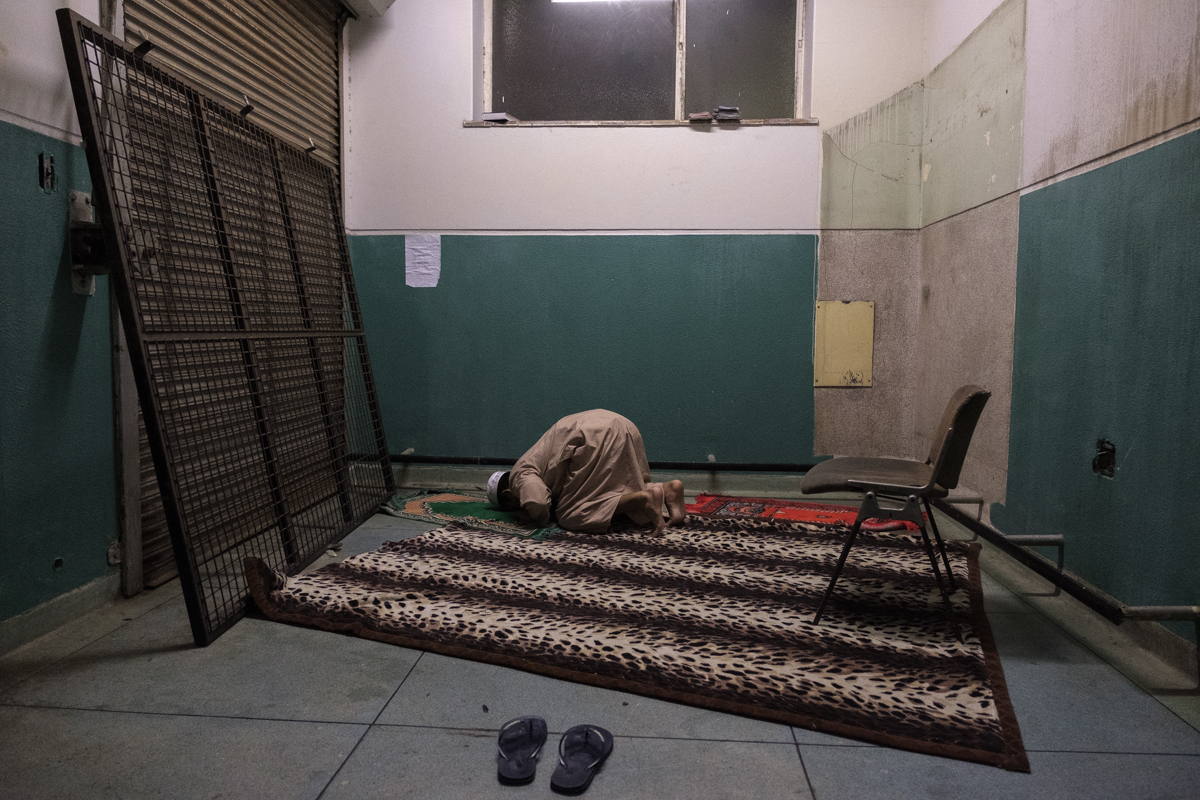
284	56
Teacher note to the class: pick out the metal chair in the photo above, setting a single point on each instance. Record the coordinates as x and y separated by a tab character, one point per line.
905	481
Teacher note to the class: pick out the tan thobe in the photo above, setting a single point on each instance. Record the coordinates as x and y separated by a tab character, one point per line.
582	467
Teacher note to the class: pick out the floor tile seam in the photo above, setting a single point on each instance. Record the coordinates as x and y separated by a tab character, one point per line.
1110	753
703	739
369	728
1173	711
1028	750
86	644
362	737
494	731
396	691
182	714
1082	643
803	767
812	792
366	732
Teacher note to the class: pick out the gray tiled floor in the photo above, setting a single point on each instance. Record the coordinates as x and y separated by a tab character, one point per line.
120	704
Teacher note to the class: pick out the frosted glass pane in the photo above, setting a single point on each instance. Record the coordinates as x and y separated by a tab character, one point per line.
584	61
741	53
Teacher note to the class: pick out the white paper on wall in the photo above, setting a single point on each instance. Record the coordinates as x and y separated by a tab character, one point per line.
422	259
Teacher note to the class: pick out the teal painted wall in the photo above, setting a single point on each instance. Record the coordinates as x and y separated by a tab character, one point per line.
57	495
1108	346
705	342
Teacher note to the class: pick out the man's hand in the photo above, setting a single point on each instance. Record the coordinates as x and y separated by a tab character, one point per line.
539	513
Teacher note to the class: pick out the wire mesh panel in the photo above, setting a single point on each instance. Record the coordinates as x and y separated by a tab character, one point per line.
243	324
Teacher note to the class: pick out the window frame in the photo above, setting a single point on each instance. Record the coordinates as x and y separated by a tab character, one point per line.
802	93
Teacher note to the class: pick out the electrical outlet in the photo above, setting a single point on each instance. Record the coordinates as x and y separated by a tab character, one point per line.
47	177
1104	463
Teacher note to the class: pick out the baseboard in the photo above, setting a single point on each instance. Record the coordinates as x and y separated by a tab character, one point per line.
1165	643
783	486
40	620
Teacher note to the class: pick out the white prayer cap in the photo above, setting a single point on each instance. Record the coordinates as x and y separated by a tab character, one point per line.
497	483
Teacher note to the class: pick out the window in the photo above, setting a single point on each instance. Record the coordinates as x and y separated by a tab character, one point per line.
636	60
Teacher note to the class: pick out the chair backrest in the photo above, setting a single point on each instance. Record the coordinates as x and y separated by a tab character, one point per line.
958	421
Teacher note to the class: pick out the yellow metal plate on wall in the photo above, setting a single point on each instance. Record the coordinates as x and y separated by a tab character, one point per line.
844	343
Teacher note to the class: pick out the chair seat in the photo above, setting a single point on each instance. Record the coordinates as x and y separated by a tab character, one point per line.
834	475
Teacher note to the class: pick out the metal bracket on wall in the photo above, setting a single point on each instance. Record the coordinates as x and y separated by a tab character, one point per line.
968	500
1043	540
89	256
1168	614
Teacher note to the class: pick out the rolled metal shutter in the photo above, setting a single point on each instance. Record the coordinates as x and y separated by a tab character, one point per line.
285	56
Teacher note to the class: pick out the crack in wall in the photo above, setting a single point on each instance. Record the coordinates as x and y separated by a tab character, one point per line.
857	163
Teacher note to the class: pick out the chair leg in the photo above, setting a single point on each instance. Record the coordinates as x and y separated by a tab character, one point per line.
937	573
837	571
941	546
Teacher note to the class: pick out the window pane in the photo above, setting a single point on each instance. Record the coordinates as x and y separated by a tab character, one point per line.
563	61
741	53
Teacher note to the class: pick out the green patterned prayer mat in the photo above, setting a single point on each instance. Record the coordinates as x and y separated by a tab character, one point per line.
467	508
716	613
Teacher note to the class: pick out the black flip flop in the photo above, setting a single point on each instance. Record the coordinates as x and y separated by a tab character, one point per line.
580	753
521	740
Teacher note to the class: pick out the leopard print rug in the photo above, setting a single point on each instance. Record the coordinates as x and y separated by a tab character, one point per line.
717	613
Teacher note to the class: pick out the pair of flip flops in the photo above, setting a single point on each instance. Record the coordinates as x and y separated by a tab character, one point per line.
580	753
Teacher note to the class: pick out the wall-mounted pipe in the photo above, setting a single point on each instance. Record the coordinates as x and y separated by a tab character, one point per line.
1111	609
1163	613
1090	596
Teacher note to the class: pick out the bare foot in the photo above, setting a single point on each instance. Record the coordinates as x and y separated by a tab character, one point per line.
657	499
676	507
645	507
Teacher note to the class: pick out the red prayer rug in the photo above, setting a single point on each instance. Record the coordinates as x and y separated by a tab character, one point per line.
719	505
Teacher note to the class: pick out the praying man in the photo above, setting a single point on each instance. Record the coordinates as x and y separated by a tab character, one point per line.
587	469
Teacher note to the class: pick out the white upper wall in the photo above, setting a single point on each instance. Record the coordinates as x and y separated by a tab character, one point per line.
948	23
1105	74
34	89
864	51
411	165
867	50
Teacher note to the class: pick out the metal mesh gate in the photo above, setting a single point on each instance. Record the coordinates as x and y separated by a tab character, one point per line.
234	283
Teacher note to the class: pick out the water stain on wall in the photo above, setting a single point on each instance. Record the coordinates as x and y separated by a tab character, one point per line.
1164	102
974	106
1131	70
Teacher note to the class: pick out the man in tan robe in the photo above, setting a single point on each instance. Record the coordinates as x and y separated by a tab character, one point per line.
588	468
